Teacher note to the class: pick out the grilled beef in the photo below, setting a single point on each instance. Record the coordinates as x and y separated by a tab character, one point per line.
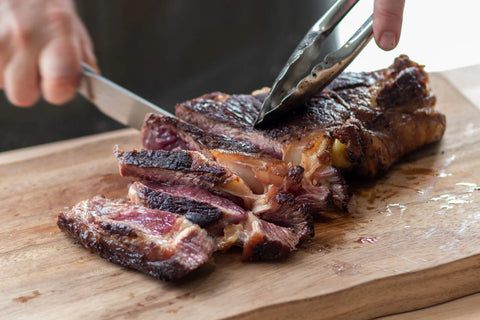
374	118
159	243
222	218
171	134
263	240
230	224
211	180
183	168
314	182
281	208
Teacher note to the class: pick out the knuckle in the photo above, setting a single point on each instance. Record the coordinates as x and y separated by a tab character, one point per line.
389	14
21	34
60	20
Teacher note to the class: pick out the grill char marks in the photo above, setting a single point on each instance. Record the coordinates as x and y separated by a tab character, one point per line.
322	188
178	199
396	119
152	241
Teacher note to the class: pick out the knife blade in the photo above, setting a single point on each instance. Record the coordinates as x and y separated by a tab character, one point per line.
116	102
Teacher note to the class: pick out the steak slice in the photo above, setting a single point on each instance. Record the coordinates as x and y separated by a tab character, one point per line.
222	218
263	240
158	243
183	167
281	208
161	132
372	119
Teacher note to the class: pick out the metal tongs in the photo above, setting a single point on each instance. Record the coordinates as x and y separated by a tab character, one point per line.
307	71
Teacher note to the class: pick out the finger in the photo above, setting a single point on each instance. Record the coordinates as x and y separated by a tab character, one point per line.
59	63
4	56
387	22
21	79
88	55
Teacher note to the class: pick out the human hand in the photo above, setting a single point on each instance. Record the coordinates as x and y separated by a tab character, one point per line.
387	22
42	43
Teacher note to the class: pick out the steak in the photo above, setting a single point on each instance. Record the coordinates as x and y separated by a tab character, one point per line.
372	119
281	208
210	180
161	244
262	240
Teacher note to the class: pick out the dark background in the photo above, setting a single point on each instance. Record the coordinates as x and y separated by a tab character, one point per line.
169	51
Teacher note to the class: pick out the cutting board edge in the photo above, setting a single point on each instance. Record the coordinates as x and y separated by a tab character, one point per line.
450	275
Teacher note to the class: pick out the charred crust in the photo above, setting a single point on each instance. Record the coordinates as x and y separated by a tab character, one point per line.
156	127
185	161
407	87
295	175
350	135
178	160
285	198
200	213
270	250
119	229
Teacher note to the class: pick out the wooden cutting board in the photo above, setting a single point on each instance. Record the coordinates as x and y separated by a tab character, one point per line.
413	243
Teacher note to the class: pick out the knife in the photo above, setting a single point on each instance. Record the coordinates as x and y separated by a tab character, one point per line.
116	102
307	71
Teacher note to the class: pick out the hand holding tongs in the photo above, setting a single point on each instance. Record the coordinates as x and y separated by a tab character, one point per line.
306	71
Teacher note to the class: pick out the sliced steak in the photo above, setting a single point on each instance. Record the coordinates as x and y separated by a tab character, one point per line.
263	240
276	216
183	167
324	189
222	218
281	208
260	171
159	243
167	133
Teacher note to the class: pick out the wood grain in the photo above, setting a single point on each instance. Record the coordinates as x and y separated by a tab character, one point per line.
412	244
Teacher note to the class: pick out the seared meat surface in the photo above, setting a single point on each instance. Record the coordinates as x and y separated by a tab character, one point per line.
209	180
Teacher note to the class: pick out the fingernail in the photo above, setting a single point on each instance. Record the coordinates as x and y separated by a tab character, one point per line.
388	40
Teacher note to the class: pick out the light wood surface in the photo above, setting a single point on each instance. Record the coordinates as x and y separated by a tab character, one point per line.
412	244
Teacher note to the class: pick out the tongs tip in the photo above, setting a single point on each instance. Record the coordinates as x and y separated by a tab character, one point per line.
307	71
